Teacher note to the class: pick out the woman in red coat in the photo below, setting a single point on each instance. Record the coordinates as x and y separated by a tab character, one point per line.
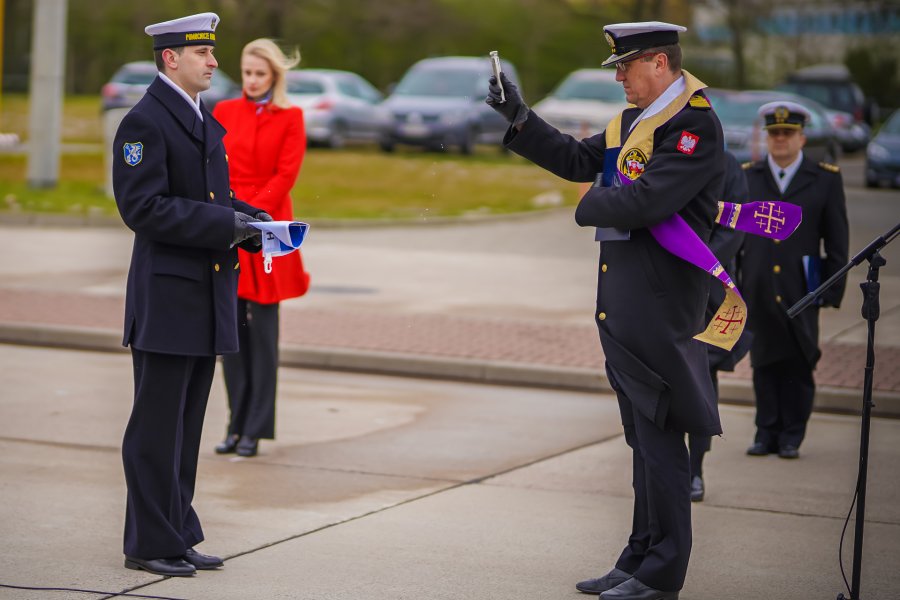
265	145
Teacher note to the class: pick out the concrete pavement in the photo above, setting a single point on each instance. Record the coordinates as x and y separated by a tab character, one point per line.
399	488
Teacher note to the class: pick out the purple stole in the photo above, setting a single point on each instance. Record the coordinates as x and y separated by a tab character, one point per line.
624	164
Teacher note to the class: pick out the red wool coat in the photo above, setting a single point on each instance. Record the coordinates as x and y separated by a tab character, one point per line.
264	155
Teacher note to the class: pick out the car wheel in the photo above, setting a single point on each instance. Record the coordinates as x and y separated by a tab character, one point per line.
467	144
872	182
386	144
338	136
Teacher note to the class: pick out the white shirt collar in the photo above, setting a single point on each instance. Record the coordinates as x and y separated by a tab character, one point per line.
195	104
789	171
675	89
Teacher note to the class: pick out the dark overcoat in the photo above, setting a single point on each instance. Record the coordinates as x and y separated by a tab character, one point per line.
773	273
170	178
650	303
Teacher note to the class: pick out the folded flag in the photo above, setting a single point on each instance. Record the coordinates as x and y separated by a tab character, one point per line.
280	238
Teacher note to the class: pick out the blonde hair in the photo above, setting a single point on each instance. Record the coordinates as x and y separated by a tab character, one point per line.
269	51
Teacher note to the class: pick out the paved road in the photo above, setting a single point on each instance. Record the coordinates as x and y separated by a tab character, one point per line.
396	488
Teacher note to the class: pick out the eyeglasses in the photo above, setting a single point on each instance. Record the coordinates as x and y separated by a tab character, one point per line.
623	66
782	132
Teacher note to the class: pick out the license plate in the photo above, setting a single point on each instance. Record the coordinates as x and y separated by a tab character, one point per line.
414	130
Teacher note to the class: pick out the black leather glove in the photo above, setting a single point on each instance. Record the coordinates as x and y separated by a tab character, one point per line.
514	109
242	229
264	216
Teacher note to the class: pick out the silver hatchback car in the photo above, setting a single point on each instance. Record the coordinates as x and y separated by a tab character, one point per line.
338	106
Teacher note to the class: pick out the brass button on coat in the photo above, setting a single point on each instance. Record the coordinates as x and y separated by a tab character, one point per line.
776	269
603	267
602	316
778	299
212	196
216	267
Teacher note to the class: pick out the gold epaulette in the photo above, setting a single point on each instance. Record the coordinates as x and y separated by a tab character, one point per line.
830	167
747	165
698	101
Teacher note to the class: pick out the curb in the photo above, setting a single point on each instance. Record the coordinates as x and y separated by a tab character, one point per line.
102	220
732	390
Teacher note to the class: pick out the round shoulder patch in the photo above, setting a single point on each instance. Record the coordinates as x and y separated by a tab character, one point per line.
634	161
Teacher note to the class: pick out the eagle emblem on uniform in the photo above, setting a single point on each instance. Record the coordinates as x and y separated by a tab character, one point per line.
633	163
134	153
688	142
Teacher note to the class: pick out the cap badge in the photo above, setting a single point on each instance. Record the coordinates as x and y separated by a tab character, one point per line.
781	114
134	153
611	42
633	163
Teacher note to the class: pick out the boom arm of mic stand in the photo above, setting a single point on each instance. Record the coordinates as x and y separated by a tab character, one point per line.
864	254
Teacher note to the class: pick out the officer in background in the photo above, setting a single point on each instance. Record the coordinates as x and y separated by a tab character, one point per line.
170	178
778	274
665	158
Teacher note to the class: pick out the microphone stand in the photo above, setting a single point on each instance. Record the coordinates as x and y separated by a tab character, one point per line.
870	312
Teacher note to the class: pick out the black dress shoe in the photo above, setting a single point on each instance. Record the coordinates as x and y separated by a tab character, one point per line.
759	449
601	584
789	452
697	489
247	446
204	562
635	590
228	445
170	567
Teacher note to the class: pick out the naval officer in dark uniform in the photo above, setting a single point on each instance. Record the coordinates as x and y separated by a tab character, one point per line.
778	274
650	303
170	178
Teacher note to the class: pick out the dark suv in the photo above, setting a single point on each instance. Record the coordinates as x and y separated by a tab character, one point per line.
833	87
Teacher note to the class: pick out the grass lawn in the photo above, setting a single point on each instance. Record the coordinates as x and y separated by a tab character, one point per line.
357	183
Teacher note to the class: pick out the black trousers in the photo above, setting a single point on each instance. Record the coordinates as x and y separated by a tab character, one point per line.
250	375
659	546
784	400
159	452
699	445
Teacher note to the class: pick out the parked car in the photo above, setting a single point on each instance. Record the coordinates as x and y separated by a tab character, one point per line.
744	133
853	135
129	83
439	102
338	106
833	87
584	102
883	154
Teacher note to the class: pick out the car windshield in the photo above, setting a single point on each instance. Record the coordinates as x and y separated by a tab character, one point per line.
590	89
305	86
835	96
457	83
735	111
893	125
